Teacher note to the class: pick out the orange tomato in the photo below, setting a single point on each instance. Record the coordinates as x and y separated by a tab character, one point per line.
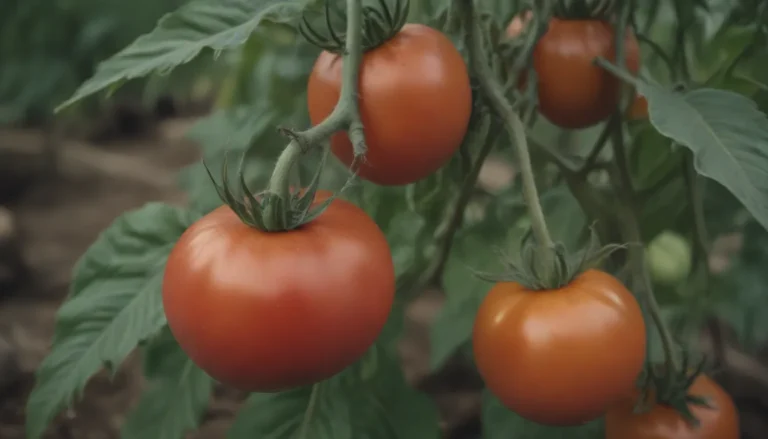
573	92
560	357
638	109
415	104
664	422
266	311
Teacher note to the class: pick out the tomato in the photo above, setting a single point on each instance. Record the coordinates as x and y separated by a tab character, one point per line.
638	109
270	311
572	91
415	104
560	357
518	23
669	258
663	422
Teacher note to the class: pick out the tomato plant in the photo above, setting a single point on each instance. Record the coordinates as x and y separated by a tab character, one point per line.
415	103
398	115
543	353
331	289
717	419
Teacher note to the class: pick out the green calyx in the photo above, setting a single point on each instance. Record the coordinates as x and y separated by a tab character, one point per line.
381	22
542	268
268	211
584	9
672	388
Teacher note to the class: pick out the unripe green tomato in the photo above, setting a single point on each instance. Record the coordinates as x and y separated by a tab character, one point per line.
669	258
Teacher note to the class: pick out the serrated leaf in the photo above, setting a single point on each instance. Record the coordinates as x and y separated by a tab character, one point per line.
181	35
727	134
501	423
369	400
177	397
115	303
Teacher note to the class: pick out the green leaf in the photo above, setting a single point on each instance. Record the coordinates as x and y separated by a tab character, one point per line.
473	251
369	400
501	423
177	397
181	35
115	303
727	134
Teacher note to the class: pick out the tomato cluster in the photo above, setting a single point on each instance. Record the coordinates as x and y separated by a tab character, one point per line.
267	311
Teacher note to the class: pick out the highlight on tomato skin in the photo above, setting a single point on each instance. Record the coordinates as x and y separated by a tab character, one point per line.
415	104
265	312
721	421
560	357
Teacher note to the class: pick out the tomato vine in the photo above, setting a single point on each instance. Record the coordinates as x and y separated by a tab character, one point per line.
297	294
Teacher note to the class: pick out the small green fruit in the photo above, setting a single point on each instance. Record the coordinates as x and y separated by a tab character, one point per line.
669	258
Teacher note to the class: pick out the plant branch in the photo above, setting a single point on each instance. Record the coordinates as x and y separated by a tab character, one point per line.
493	91
629	213
434	272
344	116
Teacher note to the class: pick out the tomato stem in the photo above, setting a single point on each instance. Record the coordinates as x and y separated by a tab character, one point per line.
344	116
434	272
313	397
494	92
629	210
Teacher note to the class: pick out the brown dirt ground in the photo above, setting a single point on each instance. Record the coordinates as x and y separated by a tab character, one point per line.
60	219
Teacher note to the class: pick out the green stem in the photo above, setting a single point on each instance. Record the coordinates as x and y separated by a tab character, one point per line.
435	271
344	115
630	212
493	91
602	140
617	72
697	204
313	396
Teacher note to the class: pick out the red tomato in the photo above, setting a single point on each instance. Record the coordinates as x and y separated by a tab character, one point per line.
560	357
269	311
415	104
573	92
663	422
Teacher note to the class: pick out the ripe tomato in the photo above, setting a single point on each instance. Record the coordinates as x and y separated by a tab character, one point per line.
269	311
663	422
573	92
560	357
638	109
415	104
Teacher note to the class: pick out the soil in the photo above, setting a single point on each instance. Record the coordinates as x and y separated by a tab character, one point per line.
59	218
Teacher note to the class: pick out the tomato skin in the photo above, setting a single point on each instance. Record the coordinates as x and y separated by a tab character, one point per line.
574	92
560	357
663	422
265	312
415	104
638	110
